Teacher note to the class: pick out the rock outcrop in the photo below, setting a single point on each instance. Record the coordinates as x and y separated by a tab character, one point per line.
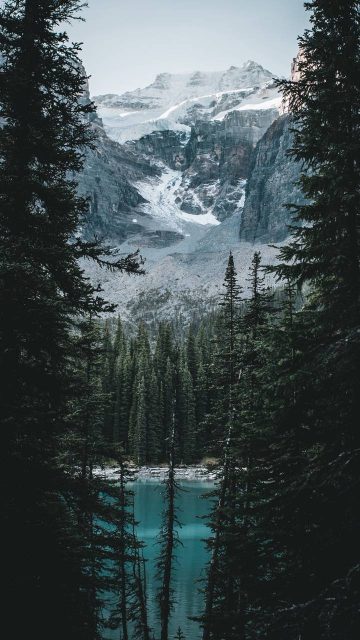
107	179
214	161
167	146
218	161
214	146
272	184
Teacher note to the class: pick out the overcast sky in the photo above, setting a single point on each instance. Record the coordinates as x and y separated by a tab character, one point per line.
128	42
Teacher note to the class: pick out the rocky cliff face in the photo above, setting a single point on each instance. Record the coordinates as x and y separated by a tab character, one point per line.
177	101
202	157
213	161
232	137
271	185
167	146
218	160
108	181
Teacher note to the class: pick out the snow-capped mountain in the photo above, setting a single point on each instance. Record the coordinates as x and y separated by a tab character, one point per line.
197	133
181	168
177	101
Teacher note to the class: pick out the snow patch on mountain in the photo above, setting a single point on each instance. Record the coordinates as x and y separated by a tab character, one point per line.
160	194
256	105
195	136
200	218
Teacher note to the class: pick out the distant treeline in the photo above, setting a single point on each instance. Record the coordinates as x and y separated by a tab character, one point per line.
149	384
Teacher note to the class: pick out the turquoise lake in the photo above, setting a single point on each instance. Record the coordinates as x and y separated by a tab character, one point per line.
191	556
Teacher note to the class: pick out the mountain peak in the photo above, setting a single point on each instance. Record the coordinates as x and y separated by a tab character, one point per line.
251	64
176	100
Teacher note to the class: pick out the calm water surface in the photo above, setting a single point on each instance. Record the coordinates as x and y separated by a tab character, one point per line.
191	556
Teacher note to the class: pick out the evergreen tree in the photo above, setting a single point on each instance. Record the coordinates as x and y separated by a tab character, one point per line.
138	422
121	384
125	394
119	353
103	507
225	366
201	410
185	413
129	575
233	572
42	139
84	451
220	569
315	513
168	540
163	358
192	356
108	381
168	406
153	423
142	629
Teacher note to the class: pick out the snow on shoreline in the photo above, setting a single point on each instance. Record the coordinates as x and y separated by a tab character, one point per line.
191	473
194	472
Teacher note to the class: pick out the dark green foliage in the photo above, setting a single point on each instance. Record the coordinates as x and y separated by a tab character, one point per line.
145	384
154	444
325	106
286	539
319	439
224	364
129	573
240	394
185	414
168	539
43	135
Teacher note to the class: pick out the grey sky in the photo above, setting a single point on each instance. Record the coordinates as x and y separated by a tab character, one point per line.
127	42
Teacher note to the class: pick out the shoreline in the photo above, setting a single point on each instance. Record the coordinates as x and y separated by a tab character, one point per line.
183	472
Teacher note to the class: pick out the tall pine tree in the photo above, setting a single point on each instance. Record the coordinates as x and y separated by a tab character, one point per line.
43	136
318	500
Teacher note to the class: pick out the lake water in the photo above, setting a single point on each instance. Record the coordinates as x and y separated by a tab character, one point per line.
191	556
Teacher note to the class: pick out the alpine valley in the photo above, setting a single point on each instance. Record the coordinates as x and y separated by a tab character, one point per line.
185	170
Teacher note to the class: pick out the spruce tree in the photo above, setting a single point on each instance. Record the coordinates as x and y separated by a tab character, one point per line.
120	419
224	369
125	391
192	355
43	136
168	540
84	451
317	502
153	423
201	410
168	406
109	381
185	415
233	571
128	572
219	592
138	421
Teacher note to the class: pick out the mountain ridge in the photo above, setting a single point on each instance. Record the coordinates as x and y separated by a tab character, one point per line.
191	178
177	101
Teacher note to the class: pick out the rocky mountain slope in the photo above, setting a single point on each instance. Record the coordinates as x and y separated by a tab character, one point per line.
202	168
177	101
271	185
